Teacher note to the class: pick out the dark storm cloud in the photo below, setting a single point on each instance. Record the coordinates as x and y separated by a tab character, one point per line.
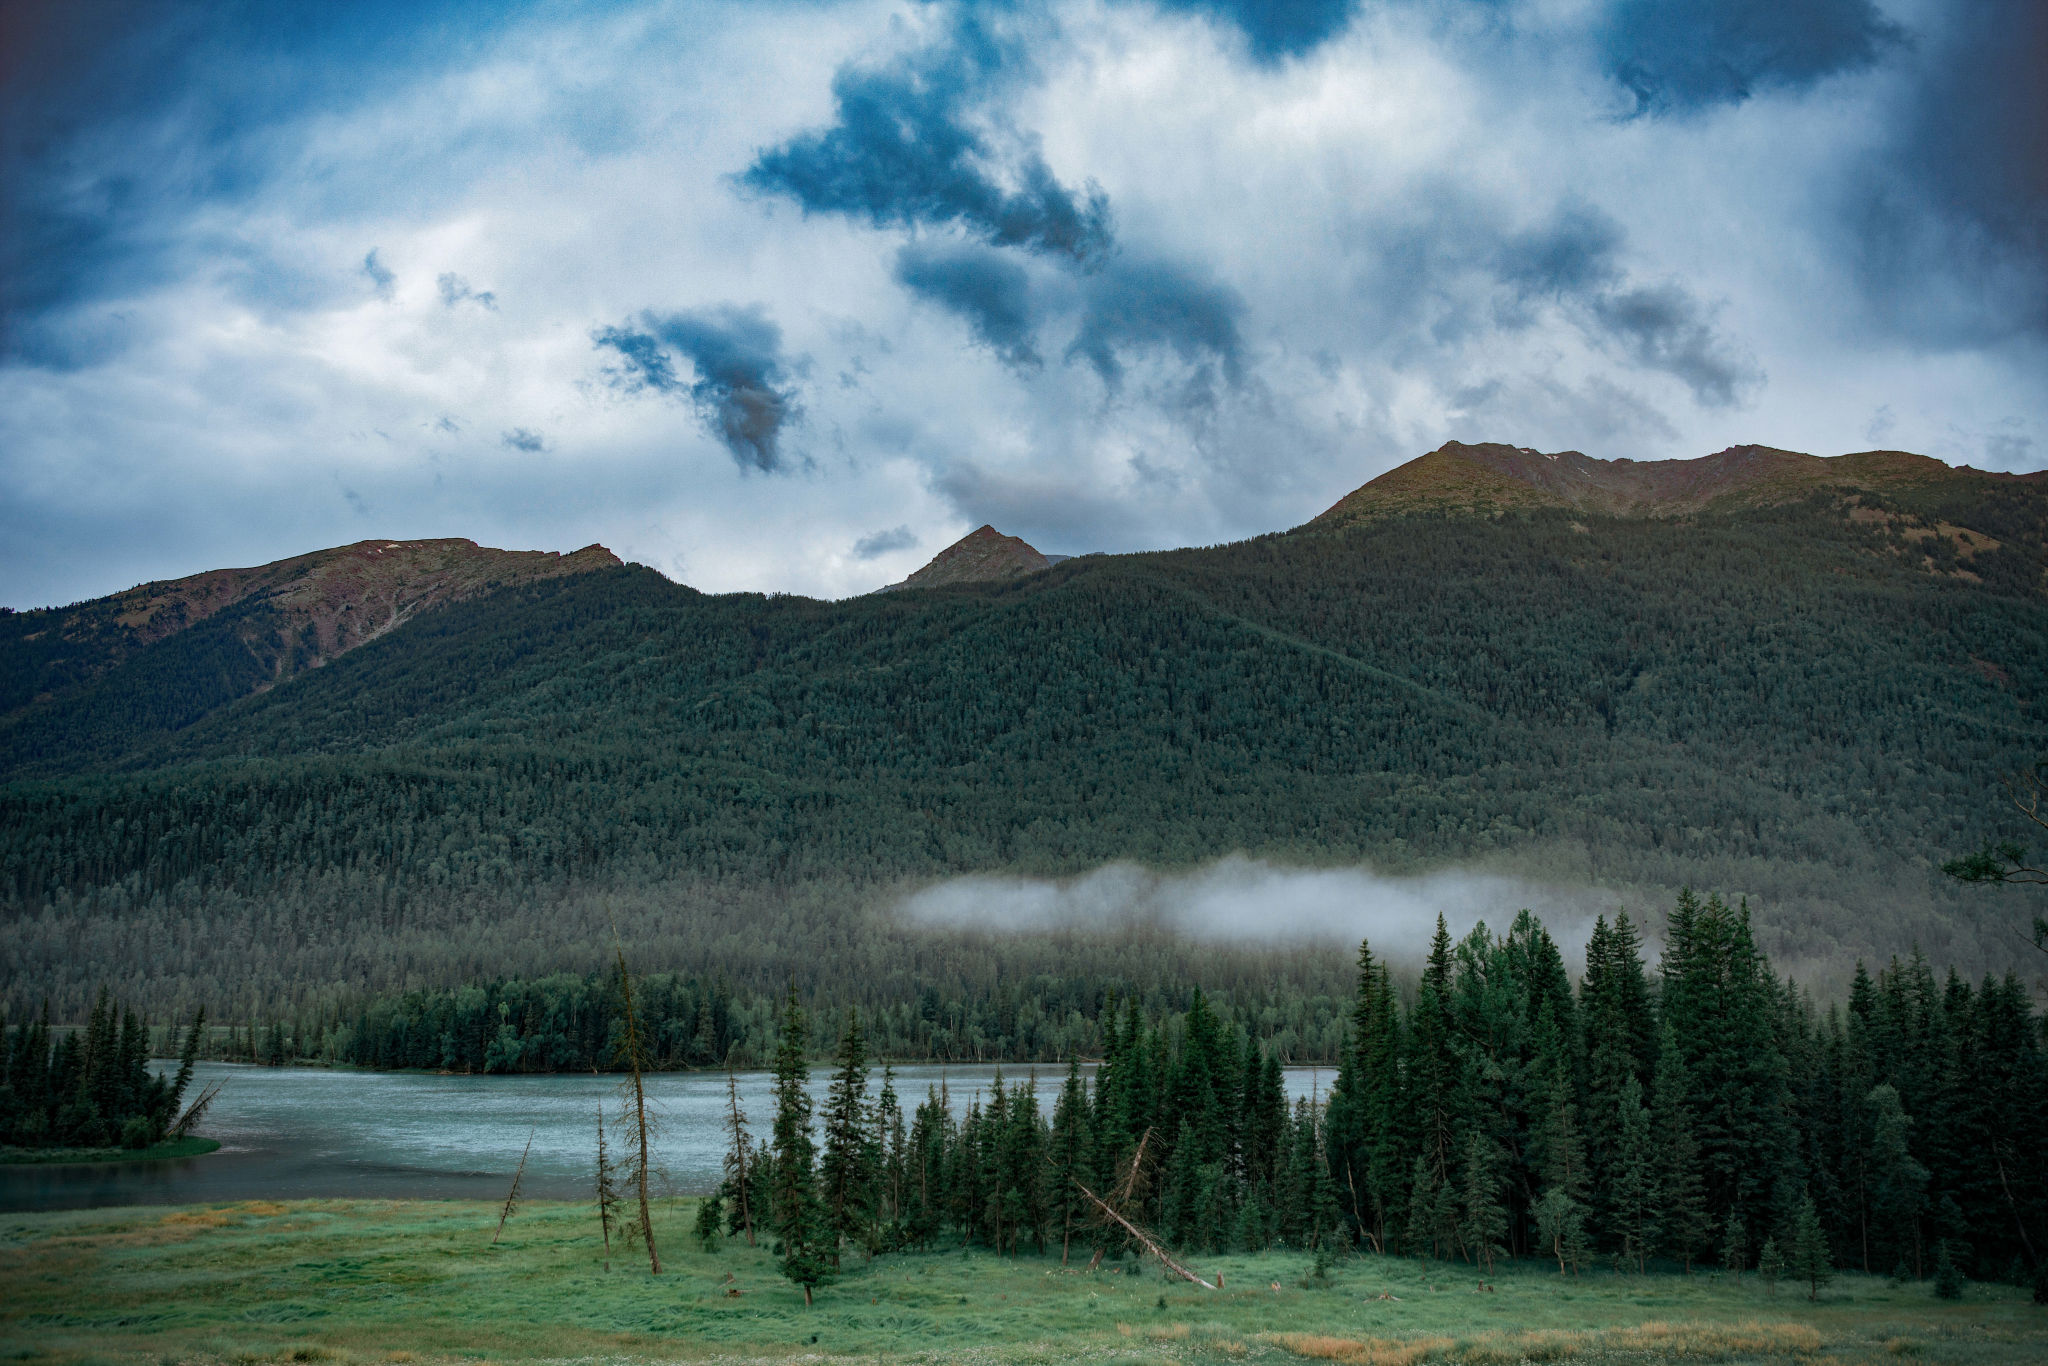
118	117
520	439
1573	259
1663	327
1277	28
1952	220
883	542
456	290
914	143
737	356
1680	55
1152	306
1572	253
991	294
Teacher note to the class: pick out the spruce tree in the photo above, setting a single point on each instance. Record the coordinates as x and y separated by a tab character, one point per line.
1770	1263
710	1221
1735	1244
1898	1183
1686	1224
1811	1260
795	1211
1632	1202
889	1146
1560	1209
1948	1281
1484	1227
846	1175
1069	1157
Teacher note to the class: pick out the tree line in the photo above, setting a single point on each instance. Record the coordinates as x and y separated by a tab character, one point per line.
1704	1111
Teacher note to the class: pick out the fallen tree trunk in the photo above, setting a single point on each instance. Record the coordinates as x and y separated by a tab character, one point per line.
1144	1239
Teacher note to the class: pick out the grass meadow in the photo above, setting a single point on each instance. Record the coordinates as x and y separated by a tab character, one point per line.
374	1281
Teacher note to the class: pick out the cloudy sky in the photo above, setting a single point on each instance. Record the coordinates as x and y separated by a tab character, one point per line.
790	295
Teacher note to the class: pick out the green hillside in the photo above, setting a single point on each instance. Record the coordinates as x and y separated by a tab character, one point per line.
1809	702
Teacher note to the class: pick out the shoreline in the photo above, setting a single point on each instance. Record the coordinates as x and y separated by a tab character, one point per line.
62	1157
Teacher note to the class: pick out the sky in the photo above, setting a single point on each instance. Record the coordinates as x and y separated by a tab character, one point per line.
789	296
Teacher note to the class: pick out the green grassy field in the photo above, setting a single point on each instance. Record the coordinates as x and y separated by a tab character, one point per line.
407	1282
177	1147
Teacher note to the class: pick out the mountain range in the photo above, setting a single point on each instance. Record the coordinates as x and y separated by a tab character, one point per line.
1794	677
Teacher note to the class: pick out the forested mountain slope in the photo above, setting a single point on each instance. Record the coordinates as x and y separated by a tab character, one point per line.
1807	698
84	682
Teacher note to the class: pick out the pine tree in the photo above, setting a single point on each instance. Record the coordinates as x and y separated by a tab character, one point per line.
795	1211
710	1221
1364	1104
1686	1224
1070	1159
1632	1202
847	1175
1770	1263
1898	1183
1735	1244
888	1146
1484	1228
1811	1260
1948	1282
1561	1208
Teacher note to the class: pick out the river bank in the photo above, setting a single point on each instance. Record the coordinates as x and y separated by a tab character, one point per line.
378	1281
169	1151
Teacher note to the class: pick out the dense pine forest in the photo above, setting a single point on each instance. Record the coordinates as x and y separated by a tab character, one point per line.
1797	703
1701	1114
92	1088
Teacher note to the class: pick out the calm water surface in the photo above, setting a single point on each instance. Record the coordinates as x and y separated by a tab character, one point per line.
303	1133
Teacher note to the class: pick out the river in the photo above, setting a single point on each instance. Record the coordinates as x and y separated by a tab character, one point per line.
314	1133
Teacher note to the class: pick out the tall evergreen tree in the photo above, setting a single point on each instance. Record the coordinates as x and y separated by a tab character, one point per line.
795	1212
1484	1226
1898	1183
1684	1219
1632	1205
847	1174
1070	1156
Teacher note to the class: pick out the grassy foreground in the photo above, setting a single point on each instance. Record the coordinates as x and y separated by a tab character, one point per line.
158	1152
406	1282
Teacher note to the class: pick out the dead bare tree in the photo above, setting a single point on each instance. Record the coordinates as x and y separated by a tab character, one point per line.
607	1190
736	1158
1142	1238
194	1112
634	1046
1127	1188
512	1196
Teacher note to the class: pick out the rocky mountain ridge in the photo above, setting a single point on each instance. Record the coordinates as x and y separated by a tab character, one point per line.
1486	477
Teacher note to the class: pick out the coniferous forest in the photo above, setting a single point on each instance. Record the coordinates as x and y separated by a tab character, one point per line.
1797	704
1695	1113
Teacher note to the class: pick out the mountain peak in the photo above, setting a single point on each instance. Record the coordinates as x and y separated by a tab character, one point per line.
983	555
1457	478
262	624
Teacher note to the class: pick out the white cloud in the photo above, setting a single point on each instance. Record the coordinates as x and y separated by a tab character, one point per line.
260	398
